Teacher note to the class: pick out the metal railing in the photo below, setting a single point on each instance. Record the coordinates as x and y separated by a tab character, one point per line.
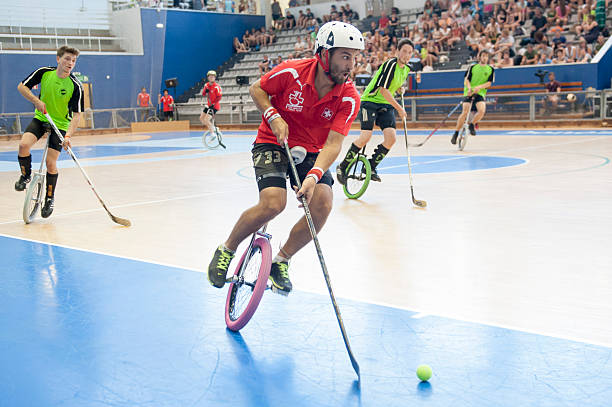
535	106
15	123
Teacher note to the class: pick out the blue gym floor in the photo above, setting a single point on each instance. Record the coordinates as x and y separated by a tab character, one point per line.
84	329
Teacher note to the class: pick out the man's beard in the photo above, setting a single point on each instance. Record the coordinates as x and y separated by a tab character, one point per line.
338	76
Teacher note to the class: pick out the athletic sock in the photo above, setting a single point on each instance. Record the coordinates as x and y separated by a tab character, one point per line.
350	154
377	156
51	182
226	249
280	259
25	163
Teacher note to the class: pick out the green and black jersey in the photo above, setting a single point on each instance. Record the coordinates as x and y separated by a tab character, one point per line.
61	96
389	76
477	75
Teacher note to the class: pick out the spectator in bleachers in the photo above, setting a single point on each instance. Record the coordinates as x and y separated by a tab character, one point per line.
333	12
515	20
239	47
289	20
472	40
583	53
271	33
558	39
543	59
349	13
530	10
277	15
601	40
530	56
454	10
299	47
456	35
592	29
276	62
505	60
264	66
393	22
301	19
560	57
466	19
562	11
251	7
383	21
539	23
246	39
311	21
428	8
293	3
505	43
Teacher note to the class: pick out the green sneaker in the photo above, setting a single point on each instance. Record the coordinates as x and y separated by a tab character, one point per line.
217	270
279	275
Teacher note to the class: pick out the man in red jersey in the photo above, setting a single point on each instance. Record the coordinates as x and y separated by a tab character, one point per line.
213	90
168	102
143	100
311	104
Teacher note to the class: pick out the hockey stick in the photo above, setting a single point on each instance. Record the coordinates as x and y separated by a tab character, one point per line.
114	218
417	202
315	239
437	127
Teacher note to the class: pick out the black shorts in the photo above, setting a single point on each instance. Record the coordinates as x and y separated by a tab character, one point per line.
169	114
272	167
39	128
476	97
209	110
381	114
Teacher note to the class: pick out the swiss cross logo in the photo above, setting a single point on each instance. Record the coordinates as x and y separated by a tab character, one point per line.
327	114
295	101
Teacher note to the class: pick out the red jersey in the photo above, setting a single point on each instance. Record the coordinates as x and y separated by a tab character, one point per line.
143	99
167	101
291	86
214	94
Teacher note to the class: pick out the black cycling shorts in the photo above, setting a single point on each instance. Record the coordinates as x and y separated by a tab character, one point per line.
370	113
272	167
39	128
476	97
209	110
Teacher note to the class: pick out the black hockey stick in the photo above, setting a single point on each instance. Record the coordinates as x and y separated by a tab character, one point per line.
417	202
115	219
315	239
437	127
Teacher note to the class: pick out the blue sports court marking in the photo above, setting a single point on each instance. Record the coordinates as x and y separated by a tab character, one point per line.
84	329
190	144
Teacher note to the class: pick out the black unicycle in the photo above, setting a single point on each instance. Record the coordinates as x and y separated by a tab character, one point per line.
358	175
34	194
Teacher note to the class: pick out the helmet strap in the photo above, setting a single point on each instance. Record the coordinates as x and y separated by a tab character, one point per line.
324	59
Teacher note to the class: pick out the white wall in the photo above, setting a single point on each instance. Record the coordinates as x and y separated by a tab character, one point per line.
127	25
62	13
323	8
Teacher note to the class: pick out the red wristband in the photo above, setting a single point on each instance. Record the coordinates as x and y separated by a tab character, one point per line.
316	173
269	112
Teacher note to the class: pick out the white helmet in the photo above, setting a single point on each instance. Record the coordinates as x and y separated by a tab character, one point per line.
337	34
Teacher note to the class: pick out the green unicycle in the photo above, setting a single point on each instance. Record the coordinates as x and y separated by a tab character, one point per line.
358	176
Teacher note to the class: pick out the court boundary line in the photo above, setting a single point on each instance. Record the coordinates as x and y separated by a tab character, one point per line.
178	198
416	312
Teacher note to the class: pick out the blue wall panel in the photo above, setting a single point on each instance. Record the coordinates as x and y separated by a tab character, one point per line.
197	42
187	46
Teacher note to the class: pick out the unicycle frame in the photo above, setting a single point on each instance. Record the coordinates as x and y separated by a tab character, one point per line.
217	135
38	177
262	239
360	156
464	133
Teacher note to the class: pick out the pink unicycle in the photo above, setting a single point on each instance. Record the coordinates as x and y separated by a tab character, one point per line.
249	281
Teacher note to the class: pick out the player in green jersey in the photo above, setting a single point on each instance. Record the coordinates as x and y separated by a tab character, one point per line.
61	95
378	107
478	79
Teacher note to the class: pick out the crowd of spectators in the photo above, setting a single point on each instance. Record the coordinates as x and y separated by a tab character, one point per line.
515	32
222	6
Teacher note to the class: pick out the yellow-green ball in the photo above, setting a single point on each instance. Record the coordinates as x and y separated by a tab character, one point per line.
424	372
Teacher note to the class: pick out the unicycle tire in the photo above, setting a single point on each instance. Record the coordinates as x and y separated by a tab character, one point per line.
33	198
244	296
211	139
462	139
151	119
358	176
